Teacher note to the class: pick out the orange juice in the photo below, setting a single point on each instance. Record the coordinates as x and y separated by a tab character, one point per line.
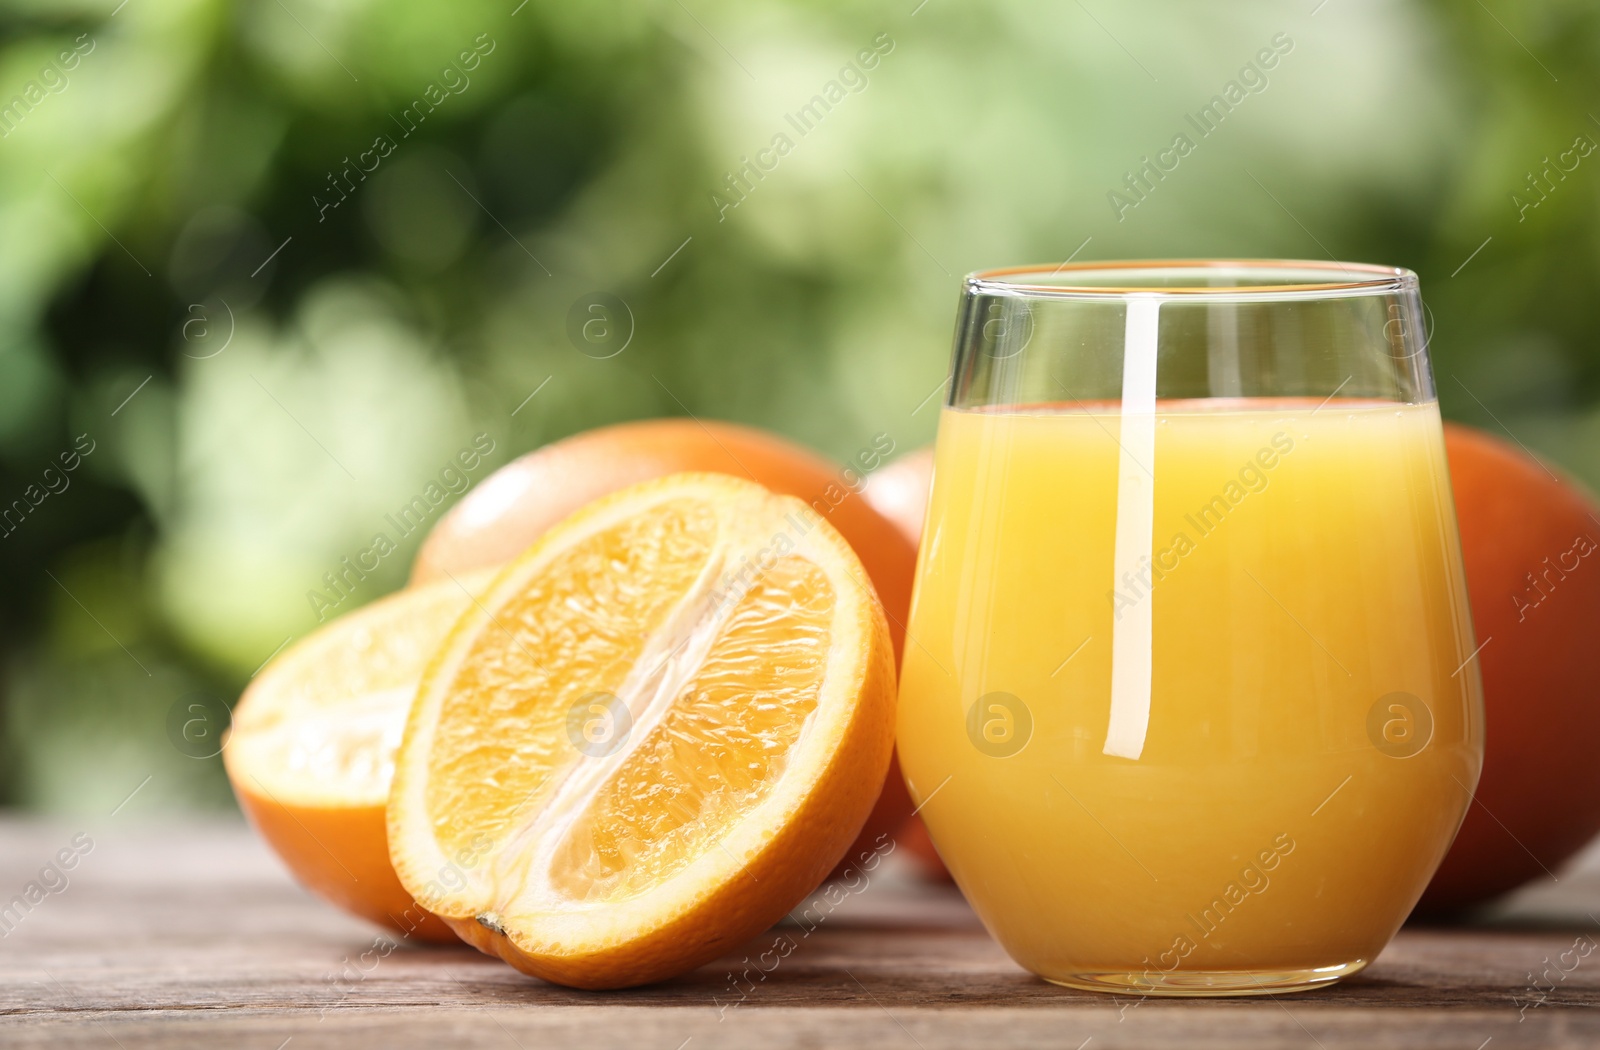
1191	693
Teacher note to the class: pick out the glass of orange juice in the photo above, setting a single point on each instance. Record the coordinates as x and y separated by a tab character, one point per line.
1189	701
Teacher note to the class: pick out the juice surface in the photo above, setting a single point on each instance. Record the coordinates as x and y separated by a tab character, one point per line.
1292	731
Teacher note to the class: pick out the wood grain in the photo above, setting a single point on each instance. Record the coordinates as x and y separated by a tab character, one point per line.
194	936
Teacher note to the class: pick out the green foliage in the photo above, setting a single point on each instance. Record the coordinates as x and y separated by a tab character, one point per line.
422	271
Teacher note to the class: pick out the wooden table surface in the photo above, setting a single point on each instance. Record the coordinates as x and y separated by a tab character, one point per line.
195	936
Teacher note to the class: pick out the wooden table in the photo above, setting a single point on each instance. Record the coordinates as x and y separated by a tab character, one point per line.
193	935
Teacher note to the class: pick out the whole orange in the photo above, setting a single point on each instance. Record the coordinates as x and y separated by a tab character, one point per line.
518	503
899	492
1531	543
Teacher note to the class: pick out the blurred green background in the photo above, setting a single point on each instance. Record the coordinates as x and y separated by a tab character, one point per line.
267	349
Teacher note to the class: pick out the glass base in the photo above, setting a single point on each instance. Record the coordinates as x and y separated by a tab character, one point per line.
1180	984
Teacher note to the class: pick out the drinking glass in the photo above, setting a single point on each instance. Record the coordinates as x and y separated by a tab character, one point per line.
1189	700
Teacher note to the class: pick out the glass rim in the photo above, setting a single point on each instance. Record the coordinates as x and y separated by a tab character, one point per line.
1280	279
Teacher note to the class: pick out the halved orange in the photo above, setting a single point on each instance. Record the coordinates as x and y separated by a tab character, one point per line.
652	738
311	749
512	507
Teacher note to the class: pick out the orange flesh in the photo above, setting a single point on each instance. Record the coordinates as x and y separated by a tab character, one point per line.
717	749
720	747
320	725
581	617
